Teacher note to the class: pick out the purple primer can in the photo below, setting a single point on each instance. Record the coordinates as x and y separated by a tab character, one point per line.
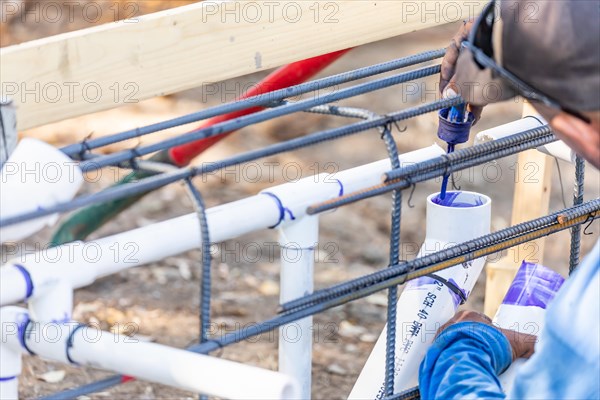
534	285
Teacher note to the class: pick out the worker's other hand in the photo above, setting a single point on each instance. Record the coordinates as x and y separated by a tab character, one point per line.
448	86
521	343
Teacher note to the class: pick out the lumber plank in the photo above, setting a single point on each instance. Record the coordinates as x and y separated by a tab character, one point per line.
103	67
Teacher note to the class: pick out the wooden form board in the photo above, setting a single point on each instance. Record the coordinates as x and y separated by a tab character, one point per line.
531	200
106	66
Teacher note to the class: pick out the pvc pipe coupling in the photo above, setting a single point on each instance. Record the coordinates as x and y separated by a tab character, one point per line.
35	176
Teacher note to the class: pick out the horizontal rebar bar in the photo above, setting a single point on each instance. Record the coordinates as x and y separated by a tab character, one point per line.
157	181
446	164
76	149
237	123
445	258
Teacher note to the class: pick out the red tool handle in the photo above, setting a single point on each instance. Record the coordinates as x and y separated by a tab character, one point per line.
286	76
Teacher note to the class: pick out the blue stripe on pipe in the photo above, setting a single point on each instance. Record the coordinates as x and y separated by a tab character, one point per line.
28	280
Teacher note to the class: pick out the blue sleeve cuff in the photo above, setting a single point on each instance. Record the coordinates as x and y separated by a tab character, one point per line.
485	338
464	361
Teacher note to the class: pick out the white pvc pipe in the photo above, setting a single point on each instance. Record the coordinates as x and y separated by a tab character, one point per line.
10	362
147	361
298	241
427	303
512	128
54	304
359	178
556	149
560	150
79	263
35	176
9	388
13	285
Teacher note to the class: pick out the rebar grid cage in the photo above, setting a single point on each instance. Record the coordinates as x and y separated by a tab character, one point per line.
396	180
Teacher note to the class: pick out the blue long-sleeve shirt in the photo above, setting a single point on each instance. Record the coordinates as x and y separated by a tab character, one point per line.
465	360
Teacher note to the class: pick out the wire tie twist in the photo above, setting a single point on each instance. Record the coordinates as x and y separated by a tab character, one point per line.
85	146
413	187
589	220
389	123
454	185
133	161
447	164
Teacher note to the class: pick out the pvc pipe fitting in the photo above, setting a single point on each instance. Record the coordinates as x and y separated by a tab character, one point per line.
52	304
524	308
461	216
35	176
428	302
15	284
294	198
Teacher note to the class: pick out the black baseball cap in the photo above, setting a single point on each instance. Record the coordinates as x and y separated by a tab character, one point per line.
547	51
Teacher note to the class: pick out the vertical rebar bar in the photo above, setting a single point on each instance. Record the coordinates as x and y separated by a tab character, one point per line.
205	284
390	353
577	200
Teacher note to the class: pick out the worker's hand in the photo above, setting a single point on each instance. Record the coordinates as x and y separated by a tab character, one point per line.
521	343
448	86
452	53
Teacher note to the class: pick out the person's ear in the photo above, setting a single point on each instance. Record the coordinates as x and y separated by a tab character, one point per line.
579	135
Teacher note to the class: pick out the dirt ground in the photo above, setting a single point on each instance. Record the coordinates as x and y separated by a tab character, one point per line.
161	300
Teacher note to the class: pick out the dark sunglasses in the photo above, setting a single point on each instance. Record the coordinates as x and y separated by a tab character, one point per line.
480	45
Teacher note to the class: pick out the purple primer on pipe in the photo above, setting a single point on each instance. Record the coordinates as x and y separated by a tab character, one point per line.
423	281
450	201
534	285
